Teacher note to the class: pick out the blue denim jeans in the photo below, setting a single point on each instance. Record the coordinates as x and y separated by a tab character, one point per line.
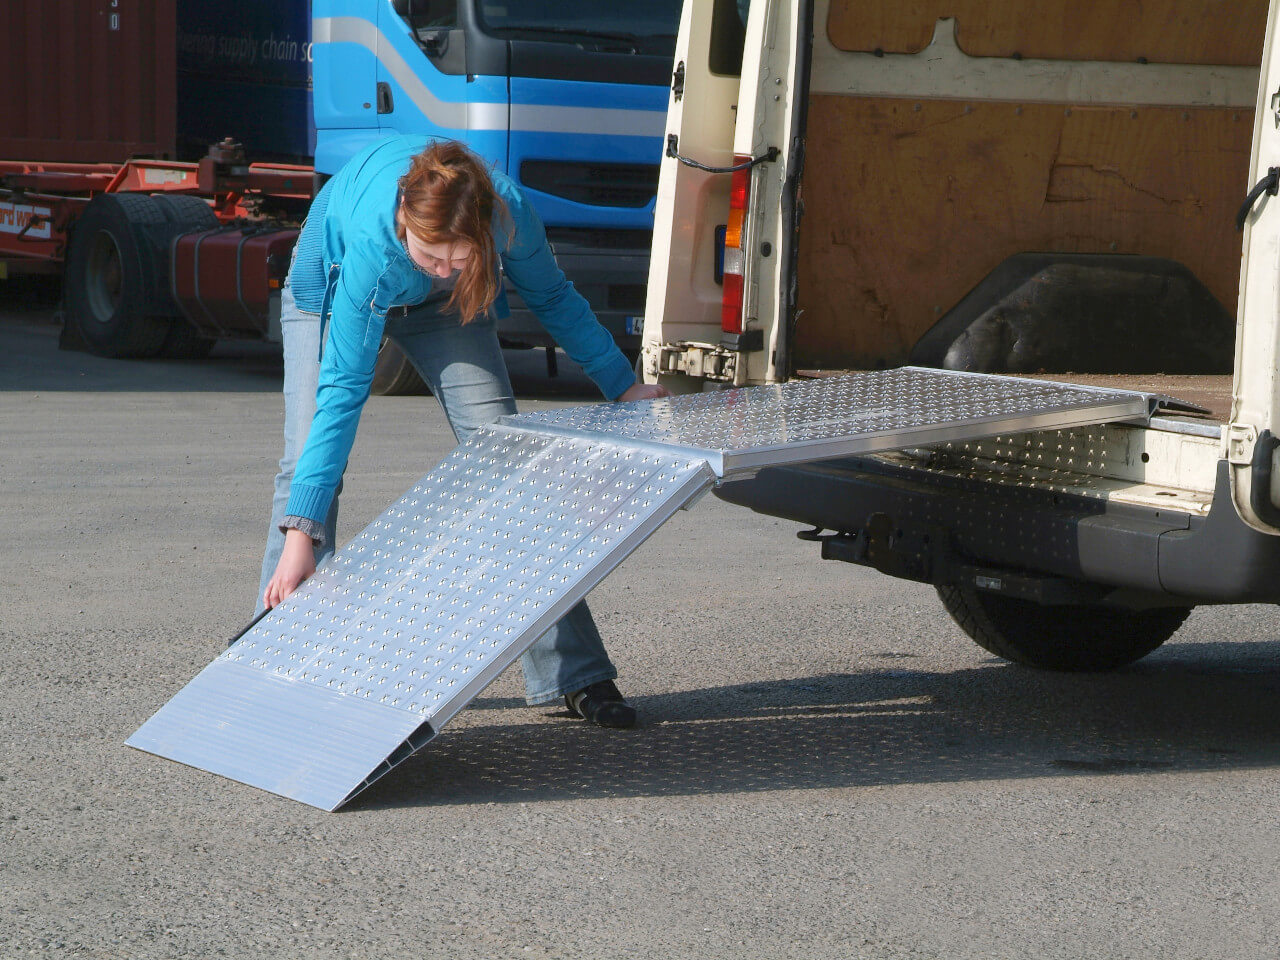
464	367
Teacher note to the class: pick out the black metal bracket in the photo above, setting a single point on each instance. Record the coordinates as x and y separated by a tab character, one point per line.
747	342
36	220
923	553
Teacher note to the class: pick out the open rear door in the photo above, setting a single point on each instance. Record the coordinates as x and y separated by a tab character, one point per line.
682	308
721	293
773	100
1255	412
722	277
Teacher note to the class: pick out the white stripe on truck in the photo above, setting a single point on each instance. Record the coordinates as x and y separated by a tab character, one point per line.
610	122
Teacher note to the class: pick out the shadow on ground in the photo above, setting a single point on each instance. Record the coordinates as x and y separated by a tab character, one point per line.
1181	710
32	361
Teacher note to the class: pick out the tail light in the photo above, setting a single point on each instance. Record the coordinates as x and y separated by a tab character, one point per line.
734	260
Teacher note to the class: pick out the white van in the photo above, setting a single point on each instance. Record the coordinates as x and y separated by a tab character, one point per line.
1049	189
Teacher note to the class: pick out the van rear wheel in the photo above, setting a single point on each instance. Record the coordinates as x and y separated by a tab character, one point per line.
1079	637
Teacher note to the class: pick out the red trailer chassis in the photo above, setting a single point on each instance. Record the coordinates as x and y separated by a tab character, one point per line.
115	232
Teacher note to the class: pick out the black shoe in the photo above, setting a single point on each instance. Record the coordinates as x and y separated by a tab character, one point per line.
602	704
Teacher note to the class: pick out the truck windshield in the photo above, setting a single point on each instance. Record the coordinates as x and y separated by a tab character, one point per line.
641	26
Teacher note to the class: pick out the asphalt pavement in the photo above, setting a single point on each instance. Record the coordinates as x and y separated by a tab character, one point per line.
826	766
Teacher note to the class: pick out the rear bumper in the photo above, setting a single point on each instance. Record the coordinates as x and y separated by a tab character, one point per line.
1211	559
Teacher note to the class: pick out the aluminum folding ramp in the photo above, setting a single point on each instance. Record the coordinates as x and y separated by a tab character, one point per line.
412	619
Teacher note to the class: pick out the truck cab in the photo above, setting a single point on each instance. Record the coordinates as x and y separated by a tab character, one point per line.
568	99
1004	188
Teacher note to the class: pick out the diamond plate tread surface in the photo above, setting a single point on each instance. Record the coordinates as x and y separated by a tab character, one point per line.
408	622
836	416
474	556
415	616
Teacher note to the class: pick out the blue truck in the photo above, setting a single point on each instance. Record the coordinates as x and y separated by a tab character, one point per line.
566	97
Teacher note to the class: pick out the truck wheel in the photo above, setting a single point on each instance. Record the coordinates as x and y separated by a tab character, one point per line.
1081	637
191	212
184	341
109	277
395	376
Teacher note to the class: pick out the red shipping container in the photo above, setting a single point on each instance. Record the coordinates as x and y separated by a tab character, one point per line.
94	80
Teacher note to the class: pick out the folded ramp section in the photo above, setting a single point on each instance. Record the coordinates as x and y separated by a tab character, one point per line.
418	614
406	624
739	431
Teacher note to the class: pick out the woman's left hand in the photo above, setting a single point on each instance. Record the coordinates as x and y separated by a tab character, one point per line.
643	391
297	563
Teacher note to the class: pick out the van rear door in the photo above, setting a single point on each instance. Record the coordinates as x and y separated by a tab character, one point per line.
682	309
721	294
1250	439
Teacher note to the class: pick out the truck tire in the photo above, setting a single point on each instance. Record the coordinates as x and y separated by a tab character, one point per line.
1081	638
395	376
188	214
110	275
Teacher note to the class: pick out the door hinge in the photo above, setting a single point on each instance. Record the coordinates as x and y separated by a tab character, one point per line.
677	83
1241	438
703	360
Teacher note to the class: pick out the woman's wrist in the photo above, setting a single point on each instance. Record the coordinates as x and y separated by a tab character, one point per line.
303	526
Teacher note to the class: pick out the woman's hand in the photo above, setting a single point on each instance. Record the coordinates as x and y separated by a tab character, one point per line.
643	391
297	562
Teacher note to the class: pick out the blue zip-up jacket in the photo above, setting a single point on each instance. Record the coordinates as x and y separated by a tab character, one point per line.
351	266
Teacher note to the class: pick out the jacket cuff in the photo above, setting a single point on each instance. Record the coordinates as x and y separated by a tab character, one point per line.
616	377
308	526
309	502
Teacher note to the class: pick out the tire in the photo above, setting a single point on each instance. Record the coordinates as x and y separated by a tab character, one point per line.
1078	638
188	214
395	376
110	280
191	212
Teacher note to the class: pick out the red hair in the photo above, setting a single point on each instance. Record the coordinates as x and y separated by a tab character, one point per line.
447	197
